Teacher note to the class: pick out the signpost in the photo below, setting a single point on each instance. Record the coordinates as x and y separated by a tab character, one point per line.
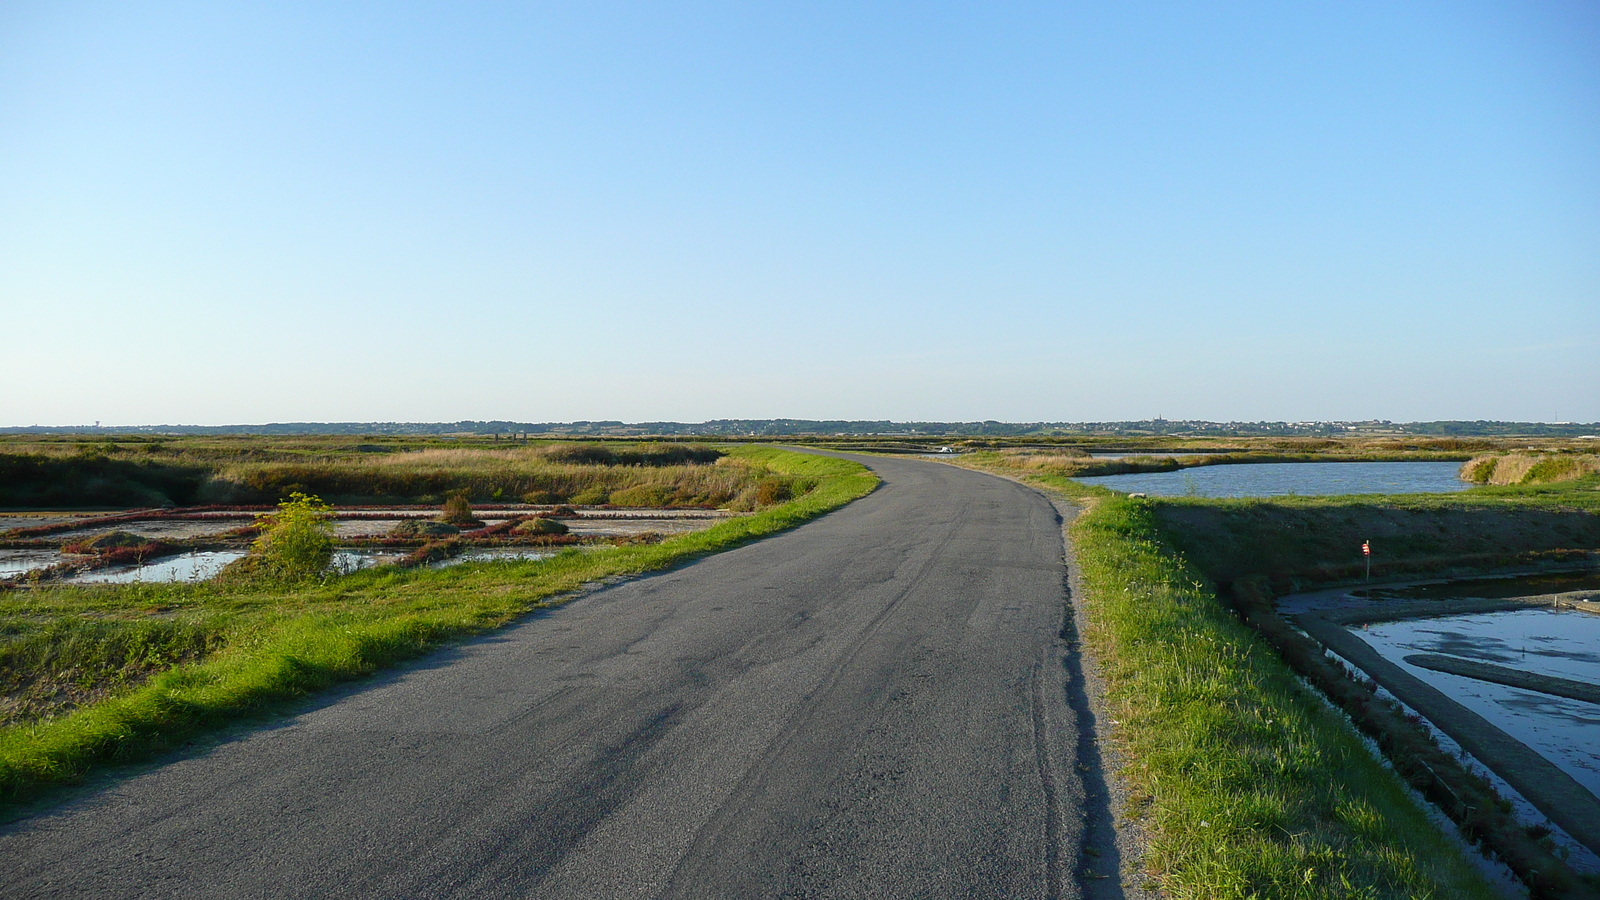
1366	551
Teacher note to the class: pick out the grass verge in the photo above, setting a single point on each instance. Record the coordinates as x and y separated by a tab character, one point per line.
275	645
1249	784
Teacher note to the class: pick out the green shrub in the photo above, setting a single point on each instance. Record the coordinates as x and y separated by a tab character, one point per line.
296	541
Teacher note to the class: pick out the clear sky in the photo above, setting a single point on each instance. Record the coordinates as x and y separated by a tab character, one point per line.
251	212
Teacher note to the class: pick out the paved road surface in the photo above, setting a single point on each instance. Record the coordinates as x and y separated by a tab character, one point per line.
871	706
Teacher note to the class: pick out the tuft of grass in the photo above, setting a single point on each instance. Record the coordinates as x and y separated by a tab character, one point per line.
268	645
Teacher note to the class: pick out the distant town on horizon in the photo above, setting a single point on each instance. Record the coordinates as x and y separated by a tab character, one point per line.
733	428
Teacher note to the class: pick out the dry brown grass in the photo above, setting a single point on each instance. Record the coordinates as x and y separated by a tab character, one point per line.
489	475
1052	462
1530	468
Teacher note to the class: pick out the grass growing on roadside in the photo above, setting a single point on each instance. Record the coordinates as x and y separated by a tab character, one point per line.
275	644
1247	783
1251	786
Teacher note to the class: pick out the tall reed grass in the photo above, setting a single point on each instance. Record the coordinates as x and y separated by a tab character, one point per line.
491	475
261	472
1530	468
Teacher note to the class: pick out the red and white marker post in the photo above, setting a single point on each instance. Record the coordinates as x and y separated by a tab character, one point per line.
1366	551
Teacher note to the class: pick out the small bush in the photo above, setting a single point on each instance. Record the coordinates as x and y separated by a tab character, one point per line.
540	498
458	511
296	541
1554	468
771	490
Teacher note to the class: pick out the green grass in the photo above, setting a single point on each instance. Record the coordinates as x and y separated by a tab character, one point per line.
1252	787
266	646
1247	783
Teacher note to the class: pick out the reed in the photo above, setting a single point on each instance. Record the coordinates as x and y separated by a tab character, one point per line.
242	471
1530	468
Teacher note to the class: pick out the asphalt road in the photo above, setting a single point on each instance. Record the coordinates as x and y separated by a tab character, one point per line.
875	705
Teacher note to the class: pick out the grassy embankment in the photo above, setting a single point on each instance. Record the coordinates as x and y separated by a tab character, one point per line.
154	665
1253	551
1248	783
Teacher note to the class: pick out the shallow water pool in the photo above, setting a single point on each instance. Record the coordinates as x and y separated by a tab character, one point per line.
18	562
496	554
196	566
1282	479
1561	643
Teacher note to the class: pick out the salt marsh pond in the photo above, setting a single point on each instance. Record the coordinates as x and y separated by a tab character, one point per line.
216	531
1295	478
1560	643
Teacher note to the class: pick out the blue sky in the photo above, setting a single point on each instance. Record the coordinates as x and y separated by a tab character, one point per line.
232	213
